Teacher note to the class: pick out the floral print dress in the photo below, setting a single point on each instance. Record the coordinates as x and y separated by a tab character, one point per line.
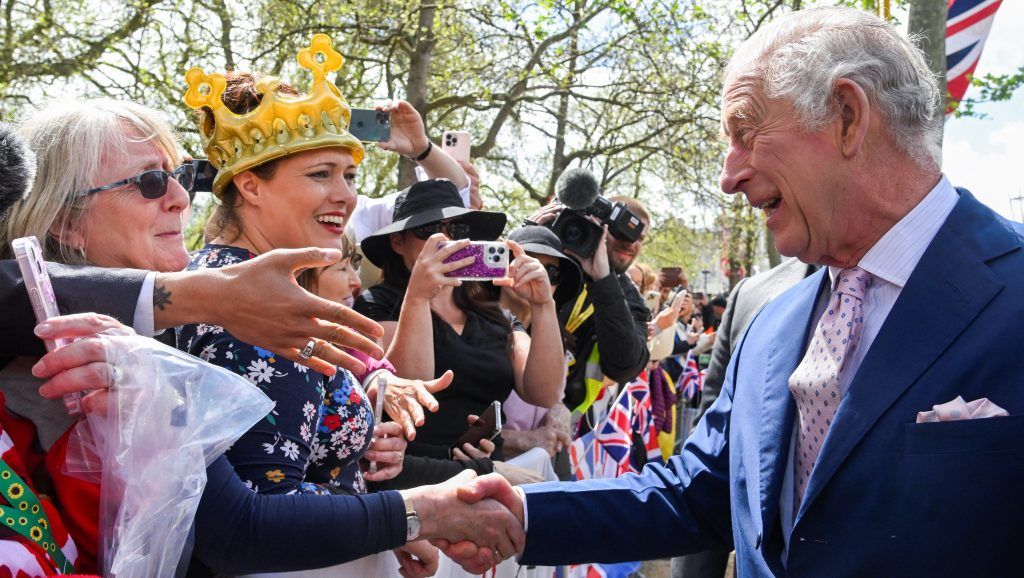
312	440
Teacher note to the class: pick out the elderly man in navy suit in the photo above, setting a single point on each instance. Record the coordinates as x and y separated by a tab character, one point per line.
872	418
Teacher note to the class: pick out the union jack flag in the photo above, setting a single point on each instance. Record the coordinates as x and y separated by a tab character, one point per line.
967	26
690	380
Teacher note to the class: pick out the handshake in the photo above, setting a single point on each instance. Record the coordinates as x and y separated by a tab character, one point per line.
476	521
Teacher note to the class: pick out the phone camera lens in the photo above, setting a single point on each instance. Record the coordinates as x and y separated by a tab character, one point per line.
491	250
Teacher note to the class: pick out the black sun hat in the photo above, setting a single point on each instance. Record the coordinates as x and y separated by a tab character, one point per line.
429	202
541	240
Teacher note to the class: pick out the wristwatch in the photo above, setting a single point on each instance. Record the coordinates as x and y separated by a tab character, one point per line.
412	521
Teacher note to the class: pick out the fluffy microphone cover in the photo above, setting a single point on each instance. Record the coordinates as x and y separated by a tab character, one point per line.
17	167
577	188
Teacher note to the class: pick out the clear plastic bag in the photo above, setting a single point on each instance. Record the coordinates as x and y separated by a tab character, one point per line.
169	416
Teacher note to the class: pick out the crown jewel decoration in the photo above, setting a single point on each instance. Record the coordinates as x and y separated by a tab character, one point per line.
281	124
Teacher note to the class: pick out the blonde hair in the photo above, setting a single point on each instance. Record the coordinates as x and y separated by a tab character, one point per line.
648	277
70	139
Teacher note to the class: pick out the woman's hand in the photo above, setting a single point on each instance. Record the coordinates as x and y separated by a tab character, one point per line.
468	451
408	135
546	214
81	365
417	559
476	202
427	277
527	278
668	316
387	449
404	399
516	475
695	331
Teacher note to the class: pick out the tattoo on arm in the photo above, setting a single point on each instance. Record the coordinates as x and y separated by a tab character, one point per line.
161	296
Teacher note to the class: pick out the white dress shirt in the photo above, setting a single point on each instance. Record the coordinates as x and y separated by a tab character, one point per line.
891	261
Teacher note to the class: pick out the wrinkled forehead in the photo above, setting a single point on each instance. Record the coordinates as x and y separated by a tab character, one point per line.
742	95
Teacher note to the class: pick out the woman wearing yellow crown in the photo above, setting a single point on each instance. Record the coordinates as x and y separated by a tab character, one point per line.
286	167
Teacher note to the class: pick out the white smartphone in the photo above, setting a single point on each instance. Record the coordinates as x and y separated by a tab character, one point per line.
44	304
457	144
378	410
490	261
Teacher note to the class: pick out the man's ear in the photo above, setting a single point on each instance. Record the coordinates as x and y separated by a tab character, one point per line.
854	117
248	186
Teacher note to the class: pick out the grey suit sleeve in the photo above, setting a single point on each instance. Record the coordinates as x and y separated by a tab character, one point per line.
113	292
720	353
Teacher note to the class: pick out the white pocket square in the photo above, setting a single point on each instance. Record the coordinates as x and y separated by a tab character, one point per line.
958	409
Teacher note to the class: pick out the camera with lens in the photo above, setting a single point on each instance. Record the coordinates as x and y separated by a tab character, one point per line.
578	190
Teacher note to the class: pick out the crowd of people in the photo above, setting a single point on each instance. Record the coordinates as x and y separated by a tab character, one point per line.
805	462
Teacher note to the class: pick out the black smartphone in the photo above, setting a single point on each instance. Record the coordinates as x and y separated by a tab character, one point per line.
370	125
205	174
487	427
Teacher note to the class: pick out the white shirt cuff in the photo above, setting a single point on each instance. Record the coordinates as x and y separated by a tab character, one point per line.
144	324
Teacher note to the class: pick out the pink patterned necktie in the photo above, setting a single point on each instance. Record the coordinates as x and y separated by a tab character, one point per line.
815	383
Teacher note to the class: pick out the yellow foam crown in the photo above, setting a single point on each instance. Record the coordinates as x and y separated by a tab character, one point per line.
280	125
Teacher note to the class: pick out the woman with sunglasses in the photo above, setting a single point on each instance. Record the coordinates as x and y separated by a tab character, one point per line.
433	323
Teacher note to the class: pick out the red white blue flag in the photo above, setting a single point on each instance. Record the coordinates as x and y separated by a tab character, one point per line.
967	27
690	380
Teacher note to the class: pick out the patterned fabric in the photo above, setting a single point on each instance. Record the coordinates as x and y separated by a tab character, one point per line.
815	383
313	439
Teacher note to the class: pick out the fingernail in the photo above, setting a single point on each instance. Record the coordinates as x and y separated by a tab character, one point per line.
39	369
43	329
44	391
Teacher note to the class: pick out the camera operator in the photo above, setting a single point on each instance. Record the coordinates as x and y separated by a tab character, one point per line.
607	323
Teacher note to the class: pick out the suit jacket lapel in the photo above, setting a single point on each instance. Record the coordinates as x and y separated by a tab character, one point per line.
778	411
952	274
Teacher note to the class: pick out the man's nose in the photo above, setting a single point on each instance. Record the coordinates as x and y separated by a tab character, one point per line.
735	171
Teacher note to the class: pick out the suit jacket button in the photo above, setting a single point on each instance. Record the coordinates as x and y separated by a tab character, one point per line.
757	542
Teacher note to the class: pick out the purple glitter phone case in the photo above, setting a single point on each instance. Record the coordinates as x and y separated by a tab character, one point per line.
491	261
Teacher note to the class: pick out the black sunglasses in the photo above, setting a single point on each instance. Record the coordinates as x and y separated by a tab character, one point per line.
153	184
554	274
452	229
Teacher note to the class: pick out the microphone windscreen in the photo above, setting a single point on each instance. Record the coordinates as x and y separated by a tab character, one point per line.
577	188
17	167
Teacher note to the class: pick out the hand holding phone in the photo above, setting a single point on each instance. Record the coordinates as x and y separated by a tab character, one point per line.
490	261
378	409
487	426
44	304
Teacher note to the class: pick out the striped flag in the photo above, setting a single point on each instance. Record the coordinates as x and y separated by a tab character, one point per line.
689	382
967	27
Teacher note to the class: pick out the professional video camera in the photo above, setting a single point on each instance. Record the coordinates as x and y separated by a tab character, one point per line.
578	190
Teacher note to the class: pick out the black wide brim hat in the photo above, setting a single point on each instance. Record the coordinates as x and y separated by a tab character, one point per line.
541	240
429	202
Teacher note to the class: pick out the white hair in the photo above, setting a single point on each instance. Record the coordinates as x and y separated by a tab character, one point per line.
800	56
69	139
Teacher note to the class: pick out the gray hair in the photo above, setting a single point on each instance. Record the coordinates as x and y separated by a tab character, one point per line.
800	56
69	139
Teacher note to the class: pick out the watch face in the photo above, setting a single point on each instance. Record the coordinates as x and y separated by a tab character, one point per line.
412	527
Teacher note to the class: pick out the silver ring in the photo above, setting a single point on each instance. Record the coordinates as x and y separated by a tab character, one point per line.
114	375
307	351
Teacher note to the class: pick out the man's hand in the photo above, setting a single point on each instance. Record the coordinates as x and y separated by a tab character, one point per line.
80	365
260	302
417	559
447	518
546	215
476	558
404	399
596	266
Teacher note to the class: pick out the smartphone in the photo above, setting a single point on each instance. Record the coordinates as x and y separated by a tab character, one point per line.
456	144
487	427
671	276
369	125
490	261
40	292
378	410
205	174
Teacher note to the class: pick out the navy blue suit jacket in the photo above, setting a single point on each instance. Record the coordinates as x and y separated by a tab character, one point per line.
889	497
